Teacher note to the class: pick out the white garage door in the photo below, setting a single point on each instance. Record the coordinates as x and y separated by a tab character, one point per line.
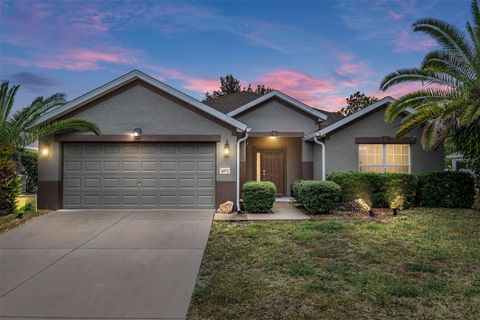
139	175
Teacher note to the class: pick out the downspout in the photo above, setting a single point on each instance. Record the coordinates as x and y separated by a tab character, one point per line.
245	137
315	138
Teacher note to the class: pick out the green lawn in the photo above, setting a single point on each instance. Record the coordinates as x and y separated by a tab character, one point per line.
424	264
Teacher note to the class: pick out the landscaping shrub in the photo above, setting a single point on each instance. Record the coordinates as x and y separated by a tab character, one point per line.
378	190
354	186
446	189
29	160
294	190
10	185
258	196
319	196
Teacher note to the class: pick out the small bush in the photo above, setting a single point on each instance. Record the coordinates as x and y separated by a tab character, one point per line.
258	197
446	189
319	196
378	190
28	159
10	185
294	190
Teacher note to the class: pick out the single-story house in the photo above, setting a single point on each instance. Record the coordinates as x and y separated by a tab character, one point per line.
160	148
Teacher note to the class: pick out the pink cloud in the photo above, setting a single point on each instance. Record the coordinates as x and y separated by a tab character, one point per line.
77	59
406	42
351	66
189	82
397	16
296	84
315	92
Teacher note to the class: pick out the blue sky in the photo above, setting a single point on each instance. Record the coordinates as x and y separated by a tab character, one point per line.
316	51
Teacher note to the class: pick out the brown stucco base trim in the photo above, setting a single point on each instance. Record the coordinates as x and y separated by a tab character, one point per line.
49	195
143	138
385	140
307	170
243	172
225	191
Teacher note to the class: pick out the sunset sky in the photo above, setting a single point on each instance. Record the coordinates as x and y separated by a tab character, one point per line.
316	51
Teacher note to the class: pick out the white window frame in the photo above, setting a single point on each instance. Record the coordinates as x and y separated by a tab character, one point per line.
384	158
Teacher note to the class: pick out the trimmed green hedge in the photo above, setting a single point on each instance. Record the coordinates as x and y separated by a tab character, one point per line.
10	185
318	196
294	189
446	189
378	190
258	197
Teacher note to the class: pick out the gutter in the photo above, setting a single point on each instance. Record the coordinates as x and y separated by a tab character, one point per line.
245	137
315	138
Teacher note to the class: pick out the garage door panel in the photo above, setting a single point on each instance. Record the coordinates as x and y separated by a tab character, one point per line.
150	175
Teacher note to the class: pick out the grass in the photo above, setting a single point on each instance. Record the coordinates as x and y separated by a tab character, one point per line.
423	264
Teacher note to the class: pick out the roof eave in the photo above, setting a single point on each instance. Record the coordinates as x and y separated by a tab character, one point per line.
334	126
124	79
283	97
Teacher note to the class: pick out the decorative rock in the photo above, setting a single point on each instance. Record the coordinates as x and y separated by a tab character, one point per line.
226	207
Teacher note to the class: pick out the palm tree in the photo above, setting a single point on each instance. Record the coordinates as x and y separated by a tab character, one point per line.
450	104
16	129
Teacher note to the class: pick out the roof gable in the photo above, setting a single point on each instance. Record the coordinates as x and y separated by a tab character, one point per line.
126	79
347	120
279	95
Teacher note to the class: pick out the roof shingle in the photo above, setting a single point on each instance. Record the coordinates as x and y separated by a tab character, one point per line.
230	102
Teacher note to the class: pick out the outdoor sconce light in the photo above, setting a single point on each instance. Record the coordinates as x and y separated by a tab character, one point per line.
45	150
136	133
274	133
226	150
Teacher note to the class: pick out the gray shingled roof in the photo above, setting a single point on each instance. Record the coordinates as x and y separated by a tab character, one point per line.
232	101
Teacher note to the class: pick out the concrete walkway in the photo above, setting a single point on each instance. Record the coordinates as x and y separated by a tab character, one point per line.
281	211
136	264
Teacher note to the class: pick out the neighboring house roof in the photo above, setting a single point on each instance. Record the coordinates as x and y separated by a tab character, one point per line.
232	101
332	117
125	79
346	120
455	155
283	97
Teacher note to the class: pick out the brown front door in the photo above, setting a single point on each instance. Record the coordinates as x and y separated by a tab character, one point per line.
270	166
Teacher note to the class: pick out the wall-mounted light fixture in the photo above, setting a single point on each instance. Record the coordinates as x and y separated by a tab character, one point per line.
274	133
45	149
226	150
137	132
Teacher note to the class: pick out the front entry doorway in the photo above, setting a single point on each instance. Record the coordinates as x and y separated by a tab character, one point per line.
270	166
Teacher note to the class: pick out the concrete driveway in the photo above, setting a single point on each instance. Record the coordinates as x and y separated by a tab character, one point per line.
136	264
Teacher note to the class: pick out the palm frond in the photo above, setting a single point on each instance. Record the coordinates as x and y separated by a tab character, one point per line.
417	100
7	98
417	119
476	18
472	113
57	127
447	62
417	75
448	36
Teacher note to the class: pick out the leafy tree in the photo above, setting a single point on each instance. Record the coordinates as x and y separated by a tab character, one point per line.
261	89
452	107
357	102
16	129
229	84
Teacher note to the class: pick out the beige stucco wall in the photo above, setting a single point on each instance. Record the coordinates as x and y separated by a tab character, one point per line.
342	152
276	116
139	107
